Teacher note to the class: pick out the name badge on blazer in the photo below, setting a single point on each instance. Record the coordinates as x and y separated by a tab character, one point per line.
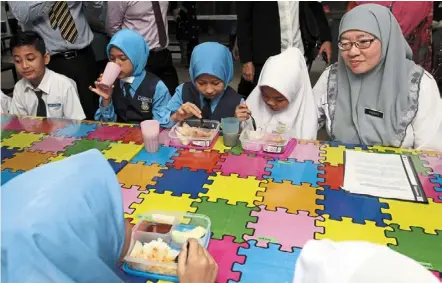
144	99
374	113
54	104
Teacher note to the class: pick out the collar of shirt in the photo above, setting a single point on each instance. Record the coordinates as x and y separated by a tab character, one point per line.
134	82
213	103
44	84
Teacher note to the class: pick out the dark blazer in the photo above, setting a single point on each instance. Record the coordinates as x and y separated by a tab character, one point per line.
259	33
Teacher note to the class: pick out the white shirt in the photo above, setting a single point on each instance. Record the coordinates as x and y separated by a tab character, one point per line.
289	25
5	102
59	94
425	132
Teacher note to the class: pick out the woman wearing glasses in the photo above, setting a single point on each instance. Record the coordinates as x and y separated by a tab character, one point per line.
375	94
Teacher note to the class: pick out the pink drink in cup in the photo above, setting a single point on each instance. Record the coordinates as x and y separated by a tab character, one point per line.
110	75
150	129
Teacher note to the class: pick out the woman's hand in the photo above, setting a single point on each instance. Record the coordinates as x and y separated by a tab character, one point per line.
103	91
196	265
186	110
242	112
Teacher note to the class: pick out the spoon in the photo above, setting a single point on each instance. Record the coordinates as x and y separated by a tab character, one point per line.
253	123
253	119
201	122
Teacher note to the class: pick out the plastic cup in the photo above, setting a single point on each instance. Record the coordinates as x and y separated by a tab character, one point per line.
110	75
150	130
230	125
230	131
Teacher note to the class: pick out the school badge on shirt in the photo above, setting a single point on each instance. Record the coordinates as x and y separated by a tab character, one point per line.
145	103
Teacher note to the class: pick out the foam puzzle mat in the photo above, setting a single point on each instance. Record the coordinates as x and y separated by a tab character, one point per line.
263	210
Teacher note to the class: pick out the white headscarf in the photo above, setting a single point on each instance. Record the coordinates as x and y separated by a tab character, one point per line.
357	262
287	73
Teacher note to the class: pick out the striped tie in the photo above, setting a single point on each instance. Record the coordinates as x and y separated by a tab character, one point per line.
61	17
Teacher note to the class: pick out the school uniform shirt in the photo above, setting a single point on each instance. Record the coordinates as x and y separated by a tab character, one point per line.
177	100
160	99
59	94
425	132
5	103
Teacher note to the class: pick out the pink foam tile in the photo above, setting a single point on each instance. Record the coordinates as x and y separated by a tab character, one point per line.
288	230
306	151
130	196
225	253
244	165
428	187
53	144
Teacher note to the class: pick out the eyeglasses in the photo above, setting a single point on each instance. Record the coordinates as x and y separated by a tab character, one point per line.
360	44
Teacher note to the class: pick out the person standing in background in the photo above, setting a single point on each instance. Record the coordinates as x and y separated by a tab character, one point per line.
66	32
101	39
148	18
187	27
266	29
415	19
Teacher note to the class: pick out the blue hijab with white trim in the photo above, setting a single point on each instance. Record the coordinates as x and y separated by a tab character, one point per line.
63	222
134	46
213	59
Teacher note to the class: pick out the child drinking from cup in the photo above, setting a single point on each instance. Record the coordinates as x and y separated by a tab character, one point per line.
283	96
208	95
136	95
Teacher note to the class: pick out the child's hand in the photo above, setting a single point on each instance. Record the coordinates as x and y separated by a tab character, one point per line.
196	265
186	110
103	91
242	112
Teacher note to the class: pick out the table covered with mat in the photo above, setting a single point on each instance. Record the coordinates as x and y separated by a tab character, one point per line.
263	209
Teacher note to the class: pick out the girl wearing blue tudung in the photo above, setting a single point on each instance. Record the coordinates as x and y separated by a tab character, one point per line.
63	223
136	95
208	95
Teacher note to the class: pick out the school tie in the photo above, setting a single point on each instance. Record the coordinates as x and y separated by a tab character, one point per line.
207	111
60	16
162	35
41	107
127	91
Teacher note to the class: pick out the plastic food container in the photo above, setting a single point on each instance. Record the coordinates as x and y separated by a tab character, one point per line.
272	139
208	125
172	228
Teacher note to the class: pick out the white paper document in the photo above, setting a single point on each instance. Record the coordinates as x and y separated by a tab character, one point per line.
382	175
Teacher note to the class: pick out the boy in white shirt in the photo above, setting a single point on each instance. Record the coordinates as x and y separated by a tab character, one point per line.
41	92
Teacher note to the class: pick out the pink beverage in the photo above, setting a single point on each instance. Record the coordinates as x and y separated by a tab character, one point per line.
150	129
110	75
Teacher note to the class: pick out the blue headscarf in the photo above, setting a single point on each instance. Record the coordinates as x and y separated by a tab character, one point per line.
214	59
134	46
63	222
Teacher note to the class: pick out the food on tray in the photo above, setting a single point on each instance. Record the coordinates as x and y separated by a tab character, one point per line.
194	132
158	251
180	237
274	138
185	133
255	135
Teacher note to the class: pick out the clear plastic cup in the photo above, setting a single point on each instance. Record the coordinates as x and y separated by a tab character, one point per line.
150	130
230	127
110	74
